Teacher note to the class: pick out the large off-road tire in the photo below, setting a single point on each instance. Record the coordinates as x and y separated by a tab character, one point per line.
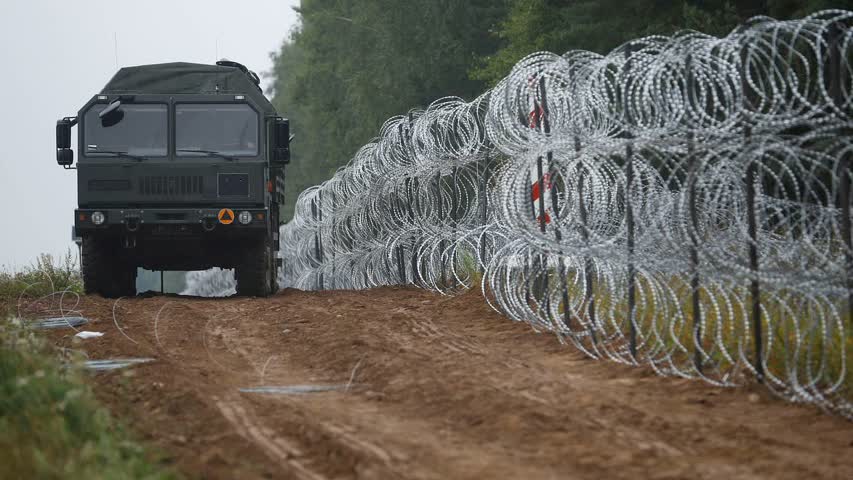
273	271
91	265
253	273
104	270
273	275
124	276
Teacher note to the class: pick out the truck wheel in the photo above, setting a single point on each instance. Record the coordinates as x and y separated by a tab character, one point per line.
104	272
91	265
124	280
253	273
273	273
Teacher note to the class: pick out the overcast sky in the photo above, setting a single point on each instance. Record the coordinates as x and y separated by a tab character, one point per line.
56	54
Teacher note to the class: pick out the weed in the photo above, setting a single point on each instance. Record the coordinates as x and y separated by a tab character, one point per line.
50	424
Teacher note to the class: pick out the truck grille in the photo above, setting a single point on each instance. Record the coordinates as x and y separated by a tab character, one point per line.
163	185
108	185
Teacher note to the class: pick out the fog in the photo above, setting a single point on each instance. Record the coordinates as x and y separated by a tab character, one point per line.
54	55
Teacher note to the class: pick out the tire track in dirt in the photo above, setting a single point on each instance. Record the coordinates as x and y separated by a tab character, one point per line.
242	415
276	447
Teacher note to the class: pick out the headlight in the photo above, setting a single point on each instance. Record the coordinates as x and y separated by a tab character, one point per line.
98	218
245	218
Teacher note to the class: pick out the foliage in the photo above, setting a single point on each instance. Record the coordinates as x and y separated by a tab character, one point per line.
601	25
47	275
351	64
50	424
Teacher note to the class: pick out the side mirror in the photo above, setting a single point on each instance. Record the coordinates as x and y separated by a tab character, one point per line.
64	154
281	141
64	157
63	132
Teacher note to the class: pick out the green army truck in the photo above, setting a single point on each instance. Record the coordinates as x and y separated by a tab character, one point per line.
180	167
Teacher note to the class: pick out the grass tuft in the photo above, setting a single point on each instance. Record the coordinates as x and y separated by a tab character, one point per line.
44	277
51	426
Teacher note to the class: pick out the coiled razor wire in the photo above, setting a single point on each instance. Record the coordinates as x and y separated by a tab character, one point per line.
682	202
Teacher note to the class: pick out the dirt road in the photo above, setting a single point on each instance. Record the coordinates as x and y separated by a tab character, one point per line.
427	387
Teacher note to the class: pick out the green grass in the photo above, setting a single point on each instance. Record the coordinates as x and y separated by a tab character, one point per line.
44	277
51	426
468	268
802	337
805	339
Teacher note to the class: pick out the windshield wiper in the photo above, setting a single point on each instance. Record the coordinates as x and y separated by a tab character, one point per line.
118	153
209	152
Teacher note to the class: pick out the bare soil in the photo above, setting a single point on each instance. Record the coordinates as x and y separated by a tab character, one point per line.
438	388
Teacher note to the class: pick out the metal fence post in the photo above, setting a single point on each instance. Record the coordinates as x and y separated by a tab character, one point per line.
412	197
484	213
399	205
692	178
539	167
555	207
528	267
318	245
629	221
332	239
589	301
440	200
401	253
320	238
632	273
845	175
752	227
540	286
755	285
836	94
561	267
454	217
414	207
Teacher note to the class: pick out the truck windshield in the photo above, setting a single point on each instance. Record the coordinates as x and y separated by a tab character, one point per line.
141	131
224	129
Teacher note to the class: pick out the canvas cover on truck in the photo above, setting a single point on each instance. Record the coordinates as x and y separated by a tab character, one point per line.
186	78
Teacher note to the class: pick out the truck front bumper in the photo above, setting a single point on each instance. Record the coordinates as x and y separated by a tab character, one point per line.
171	220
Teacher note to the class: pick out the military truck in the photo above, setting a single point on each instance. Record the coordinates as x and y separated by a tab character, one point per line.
180	167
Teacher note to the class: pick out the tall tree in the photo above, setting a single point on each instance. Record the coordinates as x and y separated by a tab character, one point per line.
601	25
354	63
751	8
351	64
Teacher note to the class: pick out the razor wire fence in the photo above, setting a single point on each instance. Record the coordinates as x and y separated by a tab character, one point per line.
682	202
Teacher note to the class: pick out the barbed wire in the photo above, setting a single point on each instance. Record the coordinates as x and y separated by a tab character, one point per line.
682	202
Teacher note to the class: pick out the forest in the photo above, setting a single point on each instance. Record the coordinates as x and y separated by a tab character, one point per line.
351	64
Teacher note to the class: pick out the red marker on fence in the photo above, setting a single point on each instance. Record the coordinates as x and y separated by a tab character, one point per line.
534	197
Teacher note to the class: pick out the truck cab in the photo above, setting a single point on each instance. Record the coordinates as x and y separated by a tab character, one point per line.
180	167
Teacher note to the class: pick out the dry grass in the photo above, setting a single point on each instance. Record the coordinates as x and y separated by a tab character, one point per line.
47	275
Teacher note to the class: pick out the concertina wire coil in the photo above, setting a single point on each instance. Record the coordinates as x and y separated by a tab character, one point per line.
682	202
